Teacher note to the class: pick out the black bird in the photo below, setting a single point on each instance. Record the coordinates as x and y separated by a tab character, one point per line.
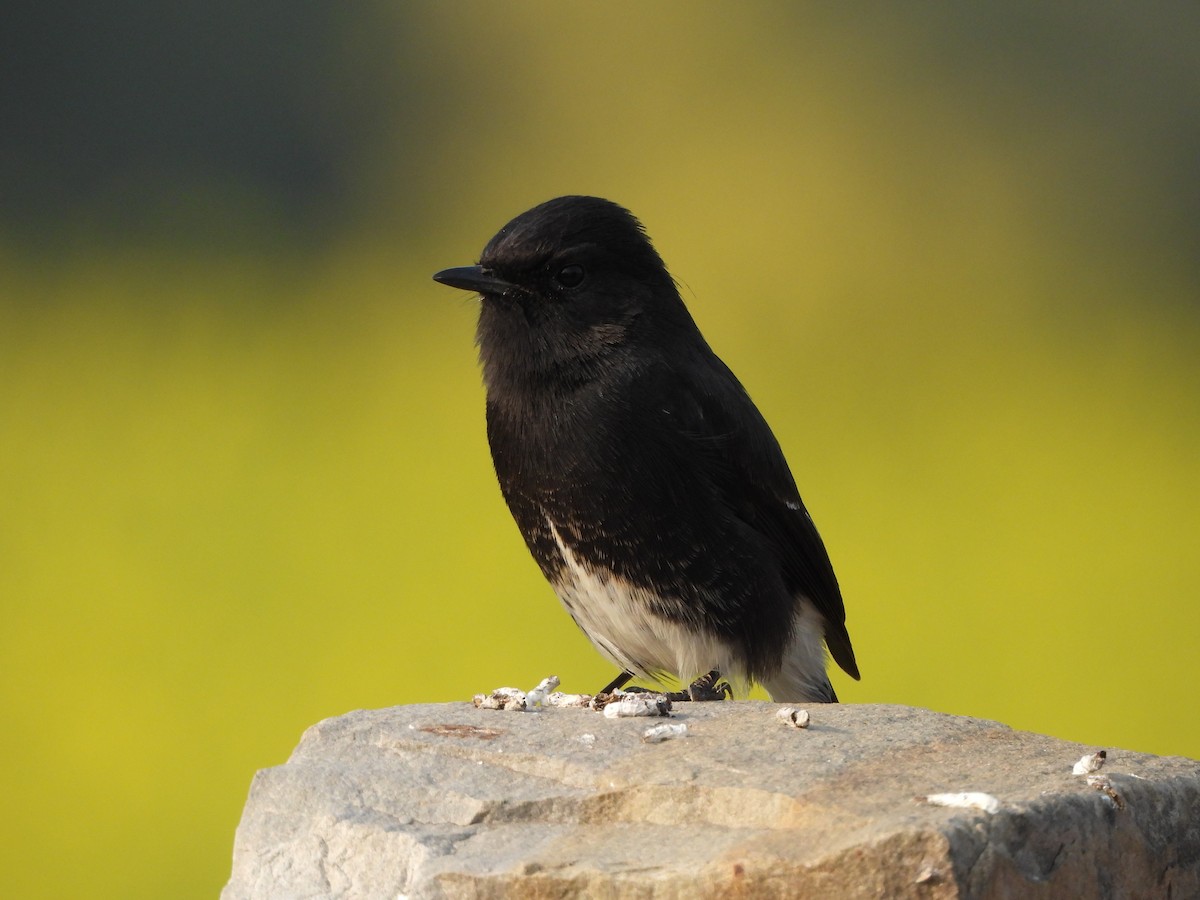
645	482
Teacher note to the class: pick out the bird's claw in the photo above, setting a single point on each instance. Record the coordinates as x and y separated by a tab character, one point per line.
709	687
705	688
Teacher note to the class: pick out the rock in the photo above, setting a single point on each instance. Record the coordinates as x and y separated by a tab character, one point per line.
447	800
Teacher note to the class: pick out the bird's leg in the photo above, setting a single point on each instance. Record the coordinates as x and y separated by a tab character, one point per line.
623	679
619	682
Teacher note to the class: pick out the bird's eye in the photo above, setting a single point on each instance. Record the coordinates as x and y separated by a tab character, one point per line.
569	276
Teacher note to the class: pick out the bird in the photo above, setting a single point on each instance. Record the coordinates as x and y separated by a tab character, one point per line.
647	485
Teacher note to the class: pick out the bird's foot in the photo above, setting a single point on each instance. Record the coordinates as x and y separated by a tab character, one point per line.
705	688
709	687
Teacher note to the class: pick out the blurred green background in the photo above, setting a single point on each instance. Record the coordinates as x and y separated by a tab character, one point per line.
953	253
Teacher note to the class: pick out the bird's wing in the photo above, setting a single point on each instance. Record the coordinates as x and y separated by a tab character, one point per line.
748	469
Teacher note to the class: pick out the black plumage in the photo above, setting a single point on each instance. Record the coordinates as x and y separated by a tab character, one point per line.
647	485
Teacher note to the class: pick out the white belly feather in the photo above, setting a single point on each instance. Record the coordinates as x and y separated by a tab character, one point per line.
617	618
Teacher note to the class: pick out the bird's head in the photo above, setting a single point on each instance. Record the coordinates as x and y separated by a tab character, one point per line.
569	287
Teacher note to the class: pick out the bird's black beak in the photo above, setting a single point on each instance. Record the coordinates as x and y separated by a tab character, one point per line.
474	278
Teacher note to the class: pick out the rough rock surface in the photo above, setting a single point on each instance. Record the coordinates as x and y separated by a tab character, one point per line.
449	801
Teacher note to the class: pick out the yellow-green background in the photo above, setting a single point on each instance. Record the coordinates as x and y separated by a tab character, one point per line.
954	254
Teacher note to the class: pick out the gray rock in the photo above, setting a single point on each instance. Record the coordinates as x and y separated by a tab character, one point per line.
450	801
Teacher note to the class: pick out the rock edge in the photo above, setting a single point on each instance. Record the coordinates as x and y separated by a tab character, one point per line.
445	800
